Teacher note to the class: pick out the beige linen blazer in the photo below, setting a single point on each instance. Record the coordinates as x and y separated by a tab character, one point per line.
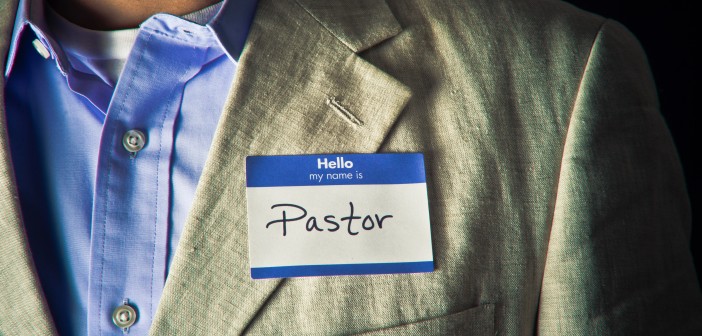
557	202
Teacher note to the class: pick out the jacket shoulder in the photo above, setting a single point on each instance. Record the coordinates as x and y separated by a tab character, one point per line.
532	19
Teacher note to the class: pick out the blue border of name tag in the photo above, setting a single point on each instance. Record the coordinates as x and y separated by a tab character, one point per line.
295	170
343	269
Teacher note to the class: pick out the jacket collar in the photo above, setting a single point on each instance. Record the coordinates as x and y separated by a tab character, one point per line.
300	88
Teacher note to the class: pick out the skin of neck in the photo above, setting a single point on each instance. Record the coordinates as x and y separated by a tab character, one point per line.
122	14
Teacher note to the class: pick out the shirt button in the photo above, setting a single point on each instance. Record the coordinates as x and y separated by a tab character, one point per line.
124	316
133	141
41	48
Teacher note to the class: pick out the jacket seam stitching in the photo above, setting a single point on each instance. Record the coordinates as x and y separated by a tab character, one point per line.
577	97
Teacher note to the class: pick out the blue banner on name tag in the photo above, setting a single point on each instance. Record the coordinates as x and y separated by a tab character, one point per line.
337	214
339	169
349	269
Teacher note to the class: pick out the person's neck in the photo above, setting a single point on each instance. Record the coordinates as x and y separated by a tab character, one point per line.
121	14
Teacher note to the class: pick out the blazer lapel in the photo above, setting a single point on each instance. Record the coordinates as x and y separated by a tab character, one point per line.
22	305
300	88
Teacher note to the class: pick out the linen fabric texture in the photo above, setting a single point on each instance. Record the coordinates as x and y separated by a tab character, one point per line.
557	202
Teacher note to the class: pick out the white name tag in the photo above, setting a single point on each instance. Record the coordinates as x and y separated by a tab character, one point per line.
344	214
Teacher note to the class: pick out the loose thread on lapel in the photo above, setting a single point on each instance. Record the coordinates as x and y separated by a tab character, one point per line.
331	101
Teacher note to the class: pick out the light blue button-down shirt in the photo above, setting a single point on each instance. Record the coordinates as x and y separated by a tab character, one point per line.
103	224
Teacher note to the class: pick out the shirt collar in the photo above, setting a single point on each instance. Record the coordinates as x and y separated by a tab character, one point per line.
230	26
30	13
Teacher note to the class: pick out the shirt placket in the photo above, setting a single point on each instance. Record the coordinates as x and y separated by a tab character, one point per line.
131	203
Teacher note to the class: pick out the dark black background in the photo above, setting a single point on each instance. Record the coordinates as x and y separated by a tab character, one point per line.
665	29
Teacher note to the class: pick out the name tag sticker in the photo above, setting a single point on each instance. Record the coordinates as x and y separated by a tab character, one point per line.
338	214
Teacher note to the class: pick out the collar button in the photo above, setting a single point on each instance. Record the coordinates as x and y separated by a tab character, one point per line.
41	49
